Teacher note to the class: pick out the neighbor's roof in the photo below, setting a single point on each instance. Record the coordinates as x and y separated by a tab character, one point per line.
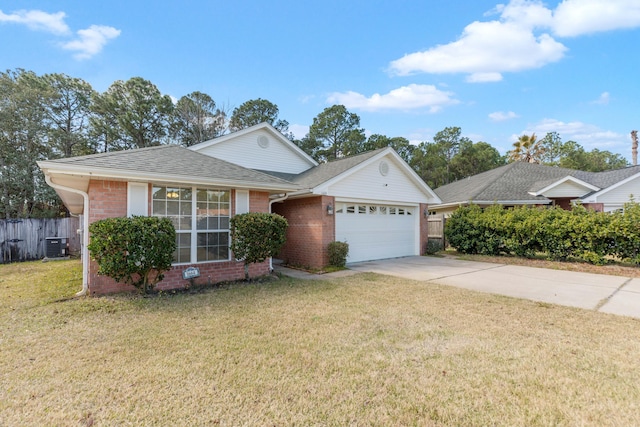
515	181
165	162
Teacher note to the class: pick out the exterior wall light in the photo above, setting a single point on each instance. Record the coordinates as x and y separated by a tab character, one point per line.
329	209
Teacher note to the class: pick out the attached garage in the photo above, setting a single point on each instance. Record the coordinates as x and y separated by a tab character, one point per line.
375	231
373	201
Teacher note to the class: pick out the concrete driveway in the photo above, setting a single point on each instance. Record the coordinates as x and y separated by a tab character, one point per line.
608	294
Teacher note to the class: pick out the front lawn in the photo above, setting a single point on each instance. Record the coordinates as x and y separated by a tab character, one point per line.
362	350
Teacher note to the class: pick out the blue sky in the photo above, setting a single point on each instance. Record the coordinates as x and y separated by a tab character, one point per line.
407	68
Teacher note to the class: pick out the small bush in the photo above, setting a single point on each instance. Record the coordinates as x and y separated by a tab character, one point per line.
338	252
256	236
136	250
433	246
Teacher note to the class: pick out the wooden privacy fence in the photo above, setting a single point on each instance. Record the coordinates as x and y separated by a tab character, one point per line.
435	229
31	239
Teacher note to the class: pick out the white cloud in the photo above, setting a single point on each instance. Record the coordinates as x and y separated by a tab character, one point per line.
38	20
587	135
409	97
485	50
483	77
578	17
90	41
501	116
520	39
604	99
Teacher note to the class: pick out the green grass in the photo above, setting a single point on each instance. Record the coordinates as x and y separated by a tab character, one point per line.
362	350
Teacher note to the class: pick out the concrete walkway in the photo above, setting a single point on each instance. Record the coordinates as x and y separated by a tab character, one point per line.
608	294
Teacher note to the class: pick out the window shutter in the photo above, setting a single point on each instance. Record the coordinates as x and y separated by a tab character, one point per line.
242	201
137	199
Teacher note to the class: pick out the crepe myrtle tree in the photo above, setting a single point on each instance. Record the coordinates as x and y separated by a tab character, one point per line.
256	236
136	250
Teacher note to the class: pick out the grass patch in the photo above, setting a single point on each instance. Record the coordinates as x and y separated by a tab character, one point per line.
613	268
361	350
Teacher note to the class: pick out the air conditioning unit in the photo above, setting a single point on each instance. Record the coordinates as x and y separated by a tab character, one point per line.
55	247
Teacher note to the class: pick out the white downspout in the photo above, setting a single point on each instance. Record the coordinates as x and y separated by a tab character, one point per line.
85	232
279	199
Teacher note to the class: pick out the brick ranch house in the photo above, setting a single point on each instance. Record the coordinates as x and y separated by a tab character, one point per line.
374	201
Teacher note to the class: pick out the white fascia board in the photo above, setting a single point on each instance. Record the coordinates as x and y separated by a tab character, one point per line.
128	175
598	193
375	202
562	181
266	126
413	176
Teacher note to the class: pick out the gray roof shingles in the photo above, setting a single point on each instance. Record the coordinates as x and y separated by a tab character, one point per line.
514	181
326	171
172	160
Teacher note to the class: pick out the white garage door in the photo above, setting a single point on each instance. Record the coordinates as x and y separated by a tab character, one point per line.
376	231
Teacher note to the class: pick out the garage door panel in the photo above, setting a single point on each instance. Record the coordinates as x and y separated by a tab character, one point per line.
376	231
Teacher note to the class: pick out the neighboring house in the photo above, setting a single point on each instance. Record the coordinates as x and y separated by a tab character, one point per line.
373	201
521	183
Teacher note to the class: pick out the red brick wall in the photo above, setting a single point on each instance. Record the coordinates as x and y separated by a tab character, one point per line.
564	203
598	207
310	230
423	235
109	199
258	201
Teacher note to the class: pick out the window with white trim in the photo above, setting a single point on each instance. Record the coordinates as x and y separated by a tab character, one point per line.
201	219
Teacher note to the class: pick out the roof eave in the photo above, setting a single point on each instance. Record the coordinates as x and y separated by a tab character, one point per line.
128	175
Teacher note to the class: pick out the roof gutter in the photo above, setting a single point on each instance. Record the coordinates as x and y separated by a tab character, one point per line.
85	232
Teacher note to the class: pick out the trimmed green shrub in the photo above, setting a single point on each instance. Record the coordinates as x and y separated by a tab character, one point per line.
559	234
136	250
256	236
461	229
338	252
433	246
625	241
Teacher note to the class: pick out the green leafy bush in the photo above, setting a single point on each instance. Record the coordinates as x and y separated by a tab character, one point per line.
136	250
433	246
338	252
559	234
256	236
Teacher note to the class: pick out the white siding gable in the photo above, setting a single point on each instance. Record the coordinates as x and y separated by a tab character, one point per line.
567	189
259	149
619	195
369	183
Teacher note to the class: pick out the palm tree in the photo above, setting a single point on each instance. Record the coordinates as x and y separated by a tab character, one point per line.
527	149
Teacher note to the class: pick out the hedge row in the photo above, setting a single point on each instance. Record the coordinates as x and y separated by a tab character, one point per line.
594	237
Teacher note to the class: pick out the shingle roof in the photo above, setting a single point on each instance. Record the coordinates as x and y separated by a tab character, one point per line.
514	181
171	160
326	171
